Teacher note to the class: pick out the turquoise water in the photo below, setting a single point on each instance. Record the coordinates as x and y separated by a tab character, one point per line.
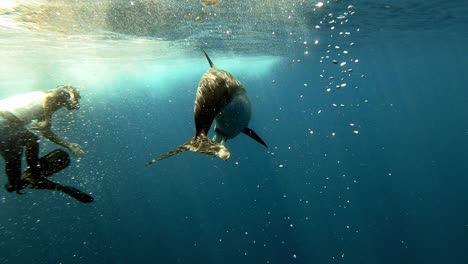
366	161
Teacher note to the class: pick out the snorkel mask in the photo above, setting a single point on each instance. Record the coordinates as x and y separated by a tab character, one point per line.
71	96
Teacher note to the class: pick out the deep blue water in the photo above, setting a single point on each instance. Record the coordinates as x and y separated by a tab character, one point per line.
375	172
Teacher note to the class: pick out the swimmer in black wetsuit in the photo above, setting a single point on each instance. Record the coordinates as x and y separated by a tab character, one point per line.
32	111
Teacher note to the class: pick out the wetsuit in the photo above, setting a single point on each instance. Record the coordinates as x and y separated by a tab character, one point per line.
15	113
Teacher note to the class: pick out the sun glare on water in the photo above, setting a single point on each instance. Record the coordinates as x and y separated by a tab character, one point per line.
8	3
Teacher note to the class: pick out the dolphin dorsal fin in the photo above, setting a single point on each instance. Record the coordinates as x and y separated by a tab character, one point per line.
208	58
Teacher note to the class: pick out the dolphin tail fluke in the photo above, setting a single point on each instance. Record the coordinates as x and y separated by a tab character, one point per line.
199	144
208	58
178	150
202	144
249	132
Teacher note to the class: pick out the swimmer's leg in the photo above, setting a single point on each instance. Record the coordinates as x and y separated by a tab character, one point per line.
12	158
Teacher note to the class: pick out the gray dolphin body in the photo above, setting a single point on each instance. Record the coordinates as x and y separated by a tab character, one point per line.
220	98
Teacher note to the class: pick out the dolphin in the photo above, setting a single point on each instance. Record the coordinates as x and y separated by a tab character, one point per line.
222	99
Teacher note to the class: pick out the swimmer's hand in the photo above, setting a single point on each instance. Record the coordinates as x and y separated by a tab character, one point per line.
39	125
76	149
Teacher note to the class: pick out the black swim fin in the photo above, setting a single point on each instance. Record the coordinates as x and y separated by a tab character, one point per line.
249	132
68	190
52	163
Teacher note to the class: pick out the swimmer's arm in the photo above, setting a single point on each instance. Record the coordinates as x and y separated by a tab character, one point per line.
45	127
44	123
46	131
50	135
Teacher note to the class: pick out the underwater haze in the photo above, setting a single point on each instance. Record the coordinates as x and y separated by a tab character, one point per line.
362	105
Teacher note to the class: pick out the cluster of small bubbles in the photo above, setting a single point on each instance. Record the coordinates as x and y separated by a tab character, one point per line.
336	53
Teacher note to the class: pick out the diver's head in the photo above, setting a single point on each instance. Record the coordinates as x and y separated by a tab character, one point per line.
68	96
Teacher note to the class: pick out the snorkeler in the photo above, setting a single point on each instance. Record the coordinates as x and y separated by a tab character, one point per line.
32	111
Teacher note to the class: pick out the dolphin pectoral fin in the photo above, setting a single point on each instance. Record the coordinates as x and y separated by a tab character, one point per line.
203	144
208	58
178	150
249	132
